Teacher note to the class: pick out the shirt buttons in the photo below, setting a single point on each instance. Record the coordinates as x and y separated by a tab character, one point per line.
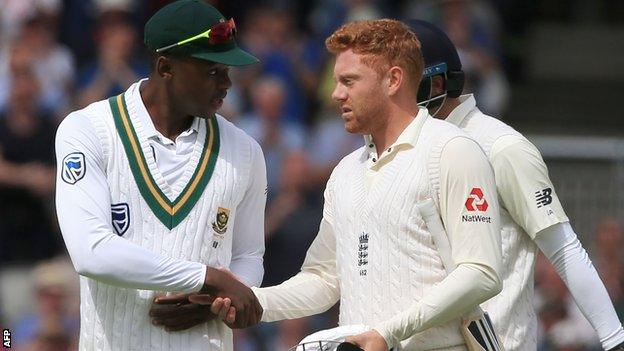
374	160
370	145
389	149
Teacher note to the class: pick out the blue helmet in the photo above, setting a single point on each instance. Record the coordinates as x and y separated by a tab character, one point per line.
441	58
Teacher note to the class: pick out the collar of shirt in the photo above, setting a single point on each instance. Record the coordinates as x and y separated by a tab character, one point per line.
148	124
407	139
457	116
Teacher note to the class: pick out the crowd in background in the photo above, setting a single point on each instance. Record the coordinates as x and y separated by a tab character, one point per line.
57	56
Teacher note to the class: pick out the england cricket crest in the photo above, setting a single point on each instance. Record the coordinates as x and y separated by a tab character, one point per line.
220	224
121	218
74	168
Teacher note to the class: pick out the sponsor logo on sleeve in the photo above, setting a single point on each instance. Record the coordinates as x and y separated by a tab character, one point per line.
543	197
121	218
74	168
476	202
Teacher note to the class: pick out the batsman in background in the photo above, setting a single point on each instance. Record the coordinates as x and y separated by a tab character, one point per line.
155	192
531	214
373	251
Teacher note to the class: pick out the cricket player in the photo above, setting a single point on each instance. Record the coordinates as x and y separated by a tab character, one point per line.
373	252
531	214
156	192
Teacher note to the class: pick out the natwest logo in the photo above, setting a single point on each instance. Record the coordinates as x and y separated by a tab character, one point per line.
476	201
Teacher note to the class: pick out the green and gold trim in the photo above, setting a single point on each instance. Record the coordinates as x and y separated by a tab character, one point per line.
170	213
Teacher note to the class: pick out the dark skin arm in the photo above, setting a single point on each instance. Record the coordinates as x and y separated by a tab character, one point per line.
222	283
223	296
176	312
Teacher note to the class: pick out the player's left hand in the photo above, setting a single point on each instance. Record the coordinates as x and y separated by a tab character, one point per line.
176	312
369	341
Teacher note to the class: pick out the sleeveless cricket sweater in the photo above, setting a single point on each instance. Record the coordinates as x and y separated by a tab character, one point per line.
512	310
386	257
177	220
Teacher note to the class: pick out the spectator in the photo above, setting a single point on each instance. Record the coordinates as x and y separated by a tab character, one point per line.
53	339
54	322
292	219
15	12
284	53
15	59
116	66
330	143
610	261
26	174
271	128
52	64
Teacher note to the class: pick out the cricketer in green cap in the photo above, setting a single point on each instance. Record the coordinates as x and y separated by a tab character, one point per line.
195	29
186	189
192	46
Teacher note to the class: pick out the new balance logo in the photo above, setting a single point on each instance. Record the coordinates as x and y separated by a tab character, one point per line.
543	197
476	201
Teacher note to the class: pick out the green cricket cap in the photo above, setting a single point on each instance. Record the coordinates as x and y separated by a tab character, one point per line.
185	19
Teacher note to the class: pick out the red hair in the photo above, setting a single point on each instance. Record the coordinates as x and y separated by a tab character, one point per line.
383	43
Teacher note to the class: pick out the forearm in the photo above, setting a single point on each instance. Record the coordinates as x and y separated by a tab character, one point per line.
303	295
313	290
467	286
113	260
562	247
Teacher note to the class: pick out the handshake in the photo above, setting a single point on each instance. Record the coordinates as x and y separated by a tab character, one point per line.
222	297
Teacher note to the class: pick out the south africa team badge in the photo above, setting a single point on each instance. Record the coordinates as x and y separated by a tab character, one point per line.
220	225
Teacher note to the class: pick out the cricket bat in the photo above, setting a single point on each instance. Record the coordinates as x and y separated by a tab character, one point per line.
476	328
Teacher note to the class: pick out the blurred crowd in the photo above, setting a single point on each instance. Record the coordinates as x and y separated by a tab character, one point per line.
57	56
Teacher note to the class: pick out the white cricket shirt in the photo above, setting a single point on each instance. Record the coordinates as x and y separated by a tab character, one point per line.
528	203
531	213
128	244
375	254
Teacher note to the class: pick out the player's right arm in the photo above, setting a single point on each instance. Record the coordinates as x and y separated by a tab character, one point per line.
316	287
84	213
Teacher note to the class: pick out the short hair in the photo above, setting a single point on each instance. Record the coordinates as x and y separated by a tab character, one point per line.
383	43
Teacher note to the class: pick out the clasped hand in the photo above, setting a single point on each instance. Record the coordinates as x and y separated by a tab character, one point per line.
223	297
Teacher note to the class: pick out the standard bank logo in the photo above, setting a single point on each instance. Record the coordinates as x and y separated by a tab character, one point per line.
121	217
74	168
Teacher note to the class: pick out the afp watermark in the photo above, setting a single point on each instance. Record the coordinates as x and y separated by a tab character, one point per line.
6	338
